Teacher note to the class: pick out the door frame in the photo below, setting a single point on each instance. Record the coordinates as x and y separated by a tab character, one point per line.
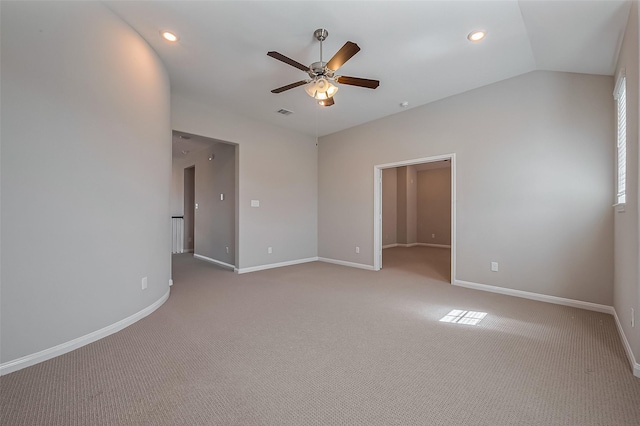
377	206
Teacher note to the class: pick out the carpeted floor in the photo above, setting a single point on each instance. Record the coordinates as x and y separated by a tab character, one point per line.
321	344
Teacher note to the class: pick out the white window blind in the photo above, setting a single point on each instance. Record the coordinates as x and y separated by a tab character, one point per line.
621	103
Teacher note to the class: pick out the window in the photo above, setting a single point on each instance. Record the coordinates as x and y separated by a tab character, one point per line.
620	96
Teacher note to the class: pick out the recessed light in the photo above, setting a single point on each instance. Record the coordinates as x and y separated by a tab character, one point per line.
169	36
476	35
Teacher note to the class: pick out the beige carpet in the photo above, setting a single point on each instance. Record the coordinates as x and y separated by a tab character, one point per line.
321	344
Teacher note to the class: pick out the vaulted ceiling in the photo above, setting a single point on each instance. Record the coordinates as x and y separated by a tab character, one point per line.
418	50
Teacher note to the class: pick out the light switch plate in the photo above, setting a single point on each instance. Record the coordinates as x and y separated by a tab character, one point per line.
255	203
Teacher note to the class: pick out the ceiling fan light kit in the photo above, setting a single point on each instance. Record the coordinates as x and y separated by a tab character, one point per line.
322	74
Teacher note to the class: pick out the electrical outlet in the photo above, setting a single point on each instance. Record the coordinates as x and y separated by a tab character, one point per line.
227	248
494	266
433	235
144	283
269	250
357	249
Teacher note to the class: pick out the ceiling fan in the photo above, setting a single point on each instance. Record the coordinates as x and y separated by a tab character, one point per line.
322	74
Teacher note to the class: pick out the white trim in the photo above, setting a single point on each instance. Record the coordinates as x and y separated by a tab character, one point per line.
377	218
214	261
63	348
276	265
621	76
454	220
635	367
416	244
415	161
344	263
619	207
377	206
537	296
435	245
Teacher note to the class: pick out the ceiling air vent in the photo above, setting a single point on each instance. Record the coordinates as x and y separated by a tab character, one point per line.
284	111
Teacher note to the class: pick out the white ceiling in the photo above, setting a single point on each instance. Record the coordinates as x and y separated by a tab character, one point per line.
418	50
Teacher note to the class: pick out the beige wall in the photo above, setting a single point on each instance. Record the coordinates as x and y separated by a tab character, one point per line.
626	277
389	206
402	205
86	174
189	202
276	166
407	207
214	226
434	206
534	181
412	205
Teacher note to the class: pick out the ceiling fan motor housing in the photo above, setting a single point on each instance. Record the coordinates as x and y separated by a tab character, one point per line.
318	69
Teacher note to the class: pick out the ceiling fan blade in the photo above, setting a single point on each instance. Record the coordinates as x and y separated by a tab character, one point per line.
286	60
355	81
289	86
343	55
326	102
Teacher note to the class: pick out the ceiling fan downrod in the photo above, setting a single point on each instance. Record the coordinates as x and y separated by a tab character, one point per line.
318	68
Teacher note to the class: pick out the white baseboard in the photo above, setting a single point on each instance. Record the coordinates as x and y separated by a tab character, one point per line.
635	366
29	360
417	244
275	265
217	262
343	263
435	245
537	296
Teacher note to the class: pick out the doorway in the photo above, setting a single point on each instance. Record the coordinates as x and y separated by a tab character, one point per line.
424	223
189	208
205	192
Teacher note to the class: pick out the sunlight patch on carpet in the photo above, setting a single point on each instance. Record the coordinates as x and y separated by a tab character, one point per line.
464	317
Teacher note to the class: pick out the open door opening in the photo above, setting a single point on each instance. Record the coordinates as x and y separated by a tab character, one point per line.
414	216
205	192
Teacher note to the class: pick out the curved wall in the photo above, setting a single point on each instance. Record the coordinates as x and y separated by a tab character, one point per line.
85	174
